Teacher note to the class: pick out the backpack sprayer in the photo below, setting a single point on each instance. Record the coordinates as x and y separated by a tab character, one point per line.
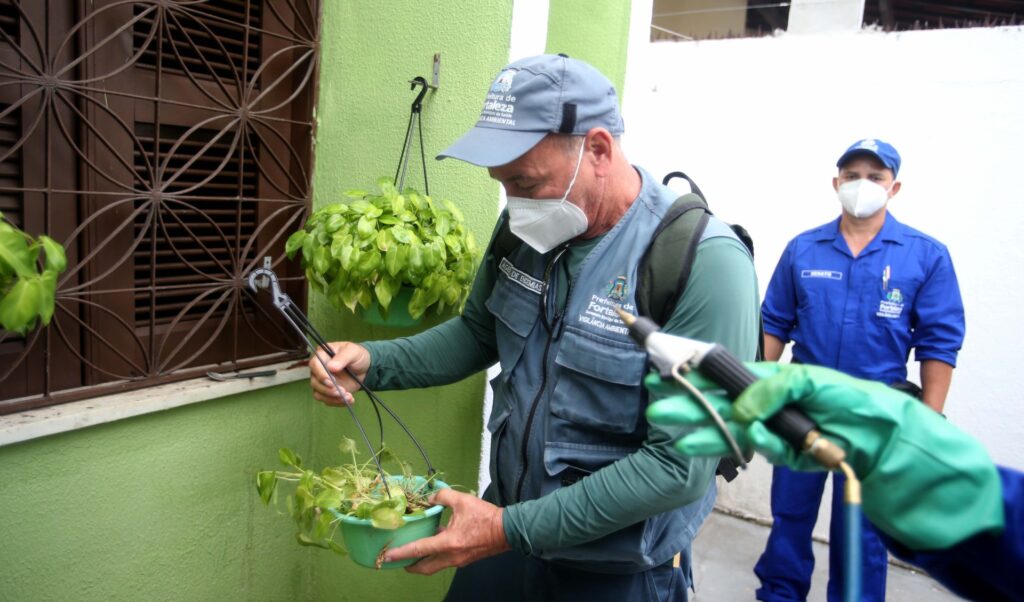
675	355
265	278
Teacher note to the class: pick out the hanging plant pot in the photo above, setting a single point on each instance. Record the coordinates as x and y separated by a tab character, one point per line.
367	544
398	312
371	246
351	500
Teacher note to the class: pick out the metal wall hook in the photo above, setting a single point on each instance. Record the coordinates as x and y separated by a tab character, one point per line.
417	105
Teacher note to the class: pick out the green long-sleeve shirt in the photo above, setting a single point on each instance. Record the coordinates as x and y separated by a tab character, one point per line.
720	304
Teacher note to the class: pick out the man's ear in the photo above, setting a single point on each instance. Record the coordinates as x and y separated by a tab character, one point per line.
895	188
601	145
835	184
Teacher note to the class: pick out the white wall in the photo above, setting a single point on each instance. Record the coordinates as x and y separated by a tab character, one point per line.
759	124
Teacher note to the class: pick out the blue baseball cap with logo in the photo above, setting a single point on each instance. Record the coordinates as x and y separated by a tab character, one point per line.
532	98
883	151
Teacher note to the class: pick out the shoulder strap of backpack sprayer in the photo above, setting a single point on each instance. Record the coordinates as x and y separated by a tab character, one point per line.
665	266
667	262
665	269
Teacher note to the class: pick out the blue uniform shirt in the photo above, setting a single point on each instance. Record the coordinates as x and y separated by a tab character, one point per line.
863	315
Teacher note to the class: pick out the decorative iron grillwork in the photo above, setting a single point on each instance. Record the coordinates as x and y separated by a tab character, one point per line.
167	144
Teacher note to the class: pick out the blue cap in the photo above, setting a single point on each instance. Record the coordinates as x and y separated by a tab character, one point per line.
883	151
532	98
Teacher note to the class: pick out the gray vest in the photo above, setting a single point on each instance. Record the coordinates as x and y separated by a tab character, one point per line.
569	399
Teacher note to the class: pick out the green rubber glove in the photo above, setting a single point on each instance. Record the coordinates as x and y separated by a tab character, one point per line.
925	483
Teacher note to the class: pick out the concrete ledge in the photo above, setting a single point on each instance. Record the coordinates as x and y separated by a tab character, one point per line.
33	424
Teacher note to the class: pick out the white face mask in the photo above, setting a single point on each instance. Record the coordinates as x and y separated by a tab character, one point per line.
546	223
863	198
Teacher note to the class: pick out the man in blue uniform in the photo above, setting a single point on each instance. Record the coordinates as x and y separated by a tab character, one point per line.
856	295
929	487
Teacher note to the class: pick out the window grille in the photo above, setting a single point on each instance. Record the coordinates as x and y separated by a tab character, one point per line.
168	146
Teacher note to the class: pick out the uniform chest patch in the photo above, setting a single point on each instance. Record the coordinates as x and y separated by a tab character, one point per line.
826	274
891	306
600	313
618	289
520	277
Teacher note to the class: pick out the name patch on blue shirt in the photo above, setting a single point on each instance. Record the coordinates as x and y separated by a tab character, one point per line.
829	274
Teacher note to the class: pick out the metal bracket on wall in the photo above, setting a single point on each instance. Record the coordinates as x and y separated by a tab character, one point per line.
435	76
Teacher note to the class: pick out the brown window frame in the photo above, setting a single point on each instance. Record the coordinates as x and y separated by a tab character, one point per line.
169	148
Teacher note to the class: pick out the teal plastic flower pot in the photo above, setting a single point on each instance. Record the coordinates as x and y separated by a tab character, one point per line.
398	312
365	542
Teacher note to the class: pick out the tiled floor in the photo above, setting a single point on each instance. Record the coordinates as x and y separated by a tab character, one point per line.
727	548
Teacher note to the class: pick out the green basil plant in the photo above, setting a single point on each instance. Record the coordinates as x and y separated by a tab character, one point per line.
27	289
316	499
364	250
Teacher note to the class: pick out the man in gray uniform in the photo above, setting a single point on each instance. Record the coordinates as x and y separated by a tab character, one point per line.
586	501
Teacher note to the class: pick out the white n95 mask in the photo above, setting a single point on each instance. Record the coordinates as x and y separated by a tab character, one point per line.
862	198
546	223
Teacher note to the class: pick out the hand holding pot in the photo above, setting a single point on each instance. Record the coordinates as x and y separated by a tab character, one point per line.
475	531
353	356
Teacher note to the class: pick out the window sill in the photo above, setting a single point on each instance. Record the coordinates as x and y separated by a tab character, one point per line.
33	424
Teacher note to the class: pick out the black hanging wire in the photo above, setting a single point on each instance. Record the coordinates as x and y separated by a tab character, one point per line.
316	342
302	325
414	116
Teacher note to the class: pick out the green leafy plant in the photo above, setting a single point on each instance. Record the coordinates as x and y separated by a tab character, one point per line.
26	290
320	500
366	249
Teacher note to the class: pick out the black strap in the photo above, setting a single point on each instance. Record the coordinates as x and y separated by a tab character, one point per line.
568	124
728	469
693	185
910	388
504	241
744	236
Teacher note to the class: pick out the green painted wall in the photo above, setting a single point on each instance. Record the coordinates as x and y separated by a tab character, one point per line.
370	52
159	507
163	507
596	32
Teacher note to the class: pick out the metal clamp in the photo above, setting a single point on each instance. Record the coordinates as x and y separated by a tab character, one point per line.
265	278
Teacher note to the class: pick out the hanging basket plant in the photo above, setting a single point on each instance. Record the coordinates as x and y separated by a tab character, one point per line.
363	251
350	501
